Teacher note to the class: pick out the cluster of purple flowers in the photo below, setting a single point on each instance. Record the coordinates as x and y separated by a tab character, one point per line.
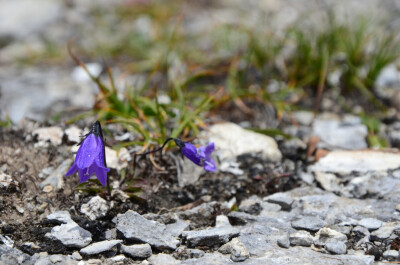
91	160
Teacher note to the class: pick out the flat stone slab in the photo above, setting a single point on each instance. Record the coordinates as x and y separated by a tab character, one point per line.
100	247
71	235
346	162
210	237
142	251
135	227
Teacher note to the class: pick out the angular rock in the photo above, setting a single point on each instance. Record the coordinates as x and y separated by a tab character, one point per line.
336	247
100	247
176	229
141	251
95	208
347	133
221	221
135	227
326	235
309	223
52	134
240	218
391	255
239	251
63	217
240	141
9	255
251	205
56	178
328	181
201	215
184	253
301	238
370	223
283	241
385	231
360	232
283	199
210	237
71	235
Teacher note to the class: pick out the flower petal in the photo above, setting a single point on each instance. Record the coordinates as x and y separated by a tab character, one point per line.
101	174
205	151
209	165
190	151
84	175
72	170
88	151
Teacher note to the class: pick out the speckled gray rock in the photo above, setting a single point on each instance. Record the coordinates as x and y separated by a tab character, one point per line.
347	133
163	259
385	231
210	237
62	217
360	232
301	238
336	247
283	199
240	218
141	251
133	226
309	223
326	235
239	251
370	223
283	241
100	247
95	208
251	205
391	255
71	235
177	228
9	255
201	215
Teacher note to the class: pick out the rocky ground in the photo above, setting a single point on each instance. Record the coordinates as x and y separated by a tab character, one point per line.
313	195
266	204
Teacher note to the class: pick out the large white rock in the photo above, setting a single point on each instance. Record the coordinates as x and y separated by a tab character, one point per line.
361	161
232	140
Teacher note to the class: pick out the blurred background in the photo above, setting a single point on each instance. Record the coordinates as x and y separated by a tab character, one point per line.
325	56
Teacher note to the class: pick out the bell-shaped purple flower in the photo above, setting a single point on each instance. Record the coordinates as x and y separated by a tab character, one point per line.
90	158
200	156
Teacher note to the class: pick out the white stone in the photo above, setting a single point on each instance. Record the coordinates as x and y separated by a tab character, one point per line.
117	160
95	208
346	162
6	180
52	134
73	134
232	140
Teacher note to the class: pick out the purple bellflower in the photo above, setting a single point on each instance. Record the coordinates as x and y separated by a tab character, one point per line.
90	158
200	156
